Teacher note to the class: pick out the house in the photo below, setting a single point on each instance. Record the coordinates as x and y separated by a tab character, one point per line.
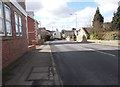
33	35
68	34
56	34
30	14
82	35
13	30
44	33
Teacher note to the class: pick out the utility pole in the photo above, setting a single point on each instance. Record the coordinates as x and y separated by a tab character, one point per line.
40	23
76	24
76	19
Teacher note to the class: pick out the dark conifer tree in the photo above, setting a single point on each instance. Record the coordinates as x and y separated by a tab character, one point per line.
116	20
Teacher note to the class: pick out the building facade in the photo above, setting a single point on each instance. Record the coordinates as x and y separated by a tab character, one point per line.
33	36
82	35
56	34
13	18
68	34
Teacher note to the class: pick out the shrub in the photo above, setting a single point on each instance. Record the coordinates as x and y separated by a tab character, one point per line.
93	37
111	36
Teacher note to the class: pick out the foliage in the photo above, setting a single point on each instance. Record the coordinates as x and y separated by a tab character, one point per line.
93	37
98	16
111	36
63	31
97	25
116	20
74	37
73	29
47	37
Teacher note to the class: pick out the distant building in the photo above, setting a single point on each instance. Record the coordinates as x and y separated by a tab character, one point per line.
33	36
30	14
13	30
88	29
119	3
56	35
82	35
68	33
43	32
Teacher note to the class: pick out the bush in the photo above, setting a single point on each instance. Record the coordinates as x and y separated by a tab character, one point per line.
93	37
111	36
47	38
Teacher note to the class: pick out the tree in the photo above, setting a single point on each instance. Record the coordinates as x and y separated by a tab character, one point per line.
98	16
73	29
97	24
116	20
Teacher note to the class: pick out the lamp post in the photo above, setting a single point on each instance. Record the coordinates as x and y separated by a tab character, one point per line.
76	19
76	24
40	24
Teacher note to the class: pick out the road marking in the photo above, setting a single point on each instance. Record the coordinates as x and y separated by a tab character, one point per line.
105	53
100	51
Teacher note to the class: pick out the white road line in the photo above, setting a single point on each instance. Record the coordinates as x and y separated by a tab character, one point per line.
100	52
105	53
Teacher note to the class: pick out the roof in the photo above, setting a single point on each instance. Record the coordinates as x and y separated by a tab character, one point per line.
68	31
18	6
85	30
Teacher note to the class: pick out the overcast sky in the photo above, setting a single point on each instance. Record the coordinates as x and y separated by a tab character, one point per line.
56	13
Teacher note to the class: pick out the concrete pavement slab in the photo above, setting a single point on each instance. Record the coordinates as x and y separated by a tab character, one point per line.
40	59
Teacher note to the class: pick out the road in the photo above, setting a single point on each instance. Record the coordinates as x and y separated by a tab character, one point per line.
85	63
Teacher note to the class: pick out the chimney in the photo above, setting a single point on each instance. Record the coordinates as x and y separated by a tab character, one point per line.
22	3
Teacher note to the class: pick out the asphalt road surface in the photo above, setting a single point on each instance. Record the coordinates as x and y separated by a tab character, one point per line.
85	63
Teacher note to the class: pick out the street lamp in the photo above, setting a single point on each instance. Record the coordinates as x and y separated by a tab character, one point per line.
76	19
40	24
76	24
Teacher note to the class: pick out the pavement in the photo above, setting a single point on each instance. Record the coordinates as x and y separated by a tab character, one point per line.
35	68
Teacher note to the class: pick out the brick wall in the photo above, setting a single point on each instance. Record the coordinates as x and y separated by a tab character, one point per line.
22	3
13	47
31	30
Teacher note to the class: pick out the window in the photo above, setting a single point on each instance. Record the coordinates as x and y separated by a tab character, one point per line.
8	21
2	32
18	24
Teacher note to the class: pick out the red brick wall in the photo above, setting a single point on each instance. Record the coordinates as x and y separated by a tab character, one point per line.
14	47
31	29
22	3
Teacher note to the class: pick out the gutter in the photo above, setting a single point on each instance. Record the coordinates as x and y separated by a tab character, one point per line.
15	3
